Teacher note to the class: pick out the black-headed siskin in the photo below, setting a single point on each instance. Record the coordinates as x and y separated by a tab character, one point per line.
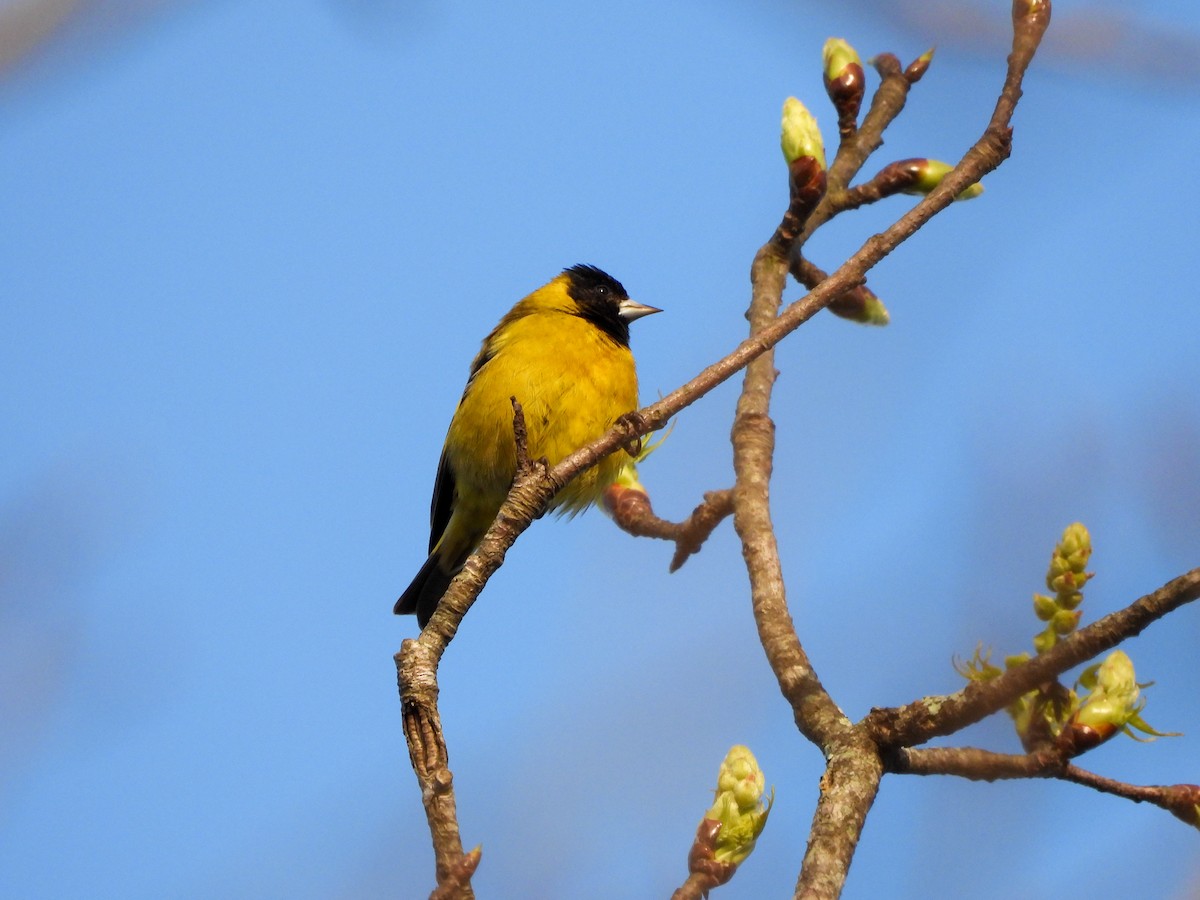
563	352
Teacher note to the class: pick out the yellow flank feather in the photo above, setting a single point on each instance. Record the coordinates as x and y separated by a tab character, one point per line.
563	352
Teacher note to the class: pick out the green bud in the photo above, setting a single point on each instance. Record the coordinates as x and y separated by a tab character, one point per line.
837	56
738	806
874	312
1045	640
845	83
860	304
1065	621
1065	574
1115	676
1072	552
1069	600
800	136
928	174
1038	715
1044	607
1112	705
741	777
1064	583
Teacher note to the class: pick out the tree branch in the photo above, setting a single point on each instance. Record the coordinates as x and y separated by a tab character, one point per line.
417	677
852	774
753	435
930	717
1181	800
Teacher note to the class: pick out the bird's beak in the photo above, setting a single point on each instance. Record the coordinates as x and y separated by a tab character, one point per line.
629	310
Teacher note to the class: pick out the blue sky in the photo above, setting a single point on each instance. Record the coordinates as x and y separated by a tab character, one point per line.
247	257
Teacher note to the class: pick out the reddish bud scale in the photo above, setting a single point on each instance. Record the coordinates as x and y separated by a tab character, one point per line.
806	180
855	304
1035	11
851	304
899	176
700	857
1183	800
1076	739
626	504
846	91
917	68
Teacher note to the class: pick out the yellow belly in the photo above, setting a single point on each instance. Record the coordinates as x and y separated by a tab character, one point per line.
573	383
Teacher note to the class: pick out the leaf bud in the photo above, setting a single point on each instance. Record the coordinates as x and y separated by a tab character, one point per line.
800	137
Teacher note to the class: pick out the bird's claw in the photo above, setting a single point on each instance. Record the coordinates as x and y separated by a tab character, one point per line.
633	422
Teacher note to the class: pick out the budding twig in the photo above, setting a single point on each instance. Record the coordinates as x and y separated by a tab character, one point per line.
918	722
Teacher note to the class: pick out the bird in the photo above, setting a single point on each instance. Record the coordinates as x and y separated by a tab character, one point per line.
563	353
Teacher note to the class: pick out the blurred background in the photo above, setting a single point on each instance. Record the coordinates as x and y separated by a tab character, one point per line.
248	253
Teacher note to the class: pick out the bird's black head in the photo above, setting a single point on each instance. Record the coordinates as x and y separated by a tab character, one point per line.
599	296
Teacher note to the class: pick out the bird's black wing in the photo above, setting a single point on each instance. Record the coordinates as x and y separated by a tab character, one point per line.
443	501
443	487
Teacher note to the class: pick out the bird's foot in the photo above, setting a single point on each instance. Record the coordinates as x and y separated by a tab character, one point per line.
633	422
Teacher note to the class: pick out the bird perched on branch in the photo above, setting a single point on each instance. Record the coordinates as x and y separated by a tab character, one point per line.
563	352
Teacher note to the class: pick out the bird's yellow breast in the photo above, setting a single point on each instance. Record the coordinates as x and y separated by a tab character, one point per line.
573	382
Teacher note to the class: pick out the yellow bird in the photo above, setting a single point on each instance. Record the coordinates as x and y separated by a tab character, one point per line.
563	352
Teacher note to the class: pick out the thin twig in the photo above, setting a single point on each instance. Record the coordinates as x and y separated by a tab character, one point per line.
633	513
1138	793
700	524
520	436
973	763
1181	800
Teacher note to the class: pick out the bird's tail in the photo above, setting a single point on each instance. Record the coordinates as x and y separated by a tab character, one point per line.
422	596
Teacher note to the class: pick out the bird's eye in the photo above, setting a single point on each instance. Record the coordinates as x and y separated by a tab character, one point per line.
602	290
